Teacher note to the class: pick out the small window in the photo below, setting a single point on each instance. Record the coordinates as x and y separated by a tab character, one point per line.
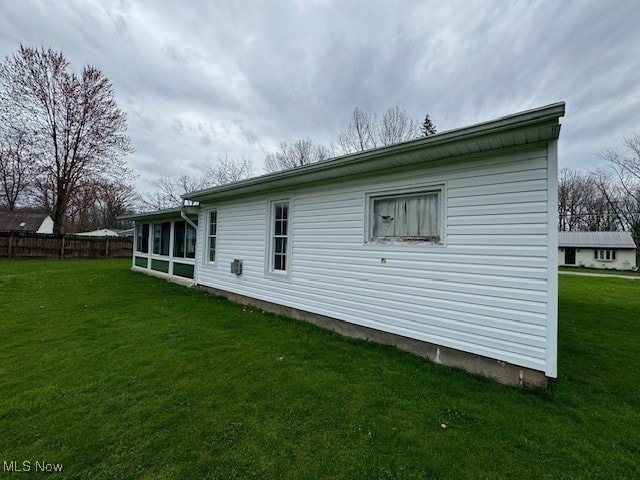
279	236
161	237
184	240
212	236
406	218
142	237
604	255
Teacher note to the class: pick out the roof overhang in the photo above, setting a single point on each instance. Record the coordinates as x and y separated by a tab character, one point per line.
530	127
169	214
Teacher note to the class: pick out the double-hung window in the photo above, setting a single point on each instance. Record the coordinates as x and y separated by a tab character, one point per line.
413	217
212	235
279	238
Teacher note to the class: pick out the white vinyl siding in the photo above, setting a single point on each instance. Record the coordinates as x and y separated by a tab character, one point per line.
485	290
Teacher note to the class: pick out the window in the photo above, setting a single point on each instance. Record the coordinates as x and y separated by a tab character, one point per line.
161	234
279	236
212	236
142	237
605	255
184	240
406	218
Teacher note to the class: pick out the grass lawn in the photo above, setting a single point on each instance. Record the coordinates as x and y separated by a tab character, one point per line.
115	374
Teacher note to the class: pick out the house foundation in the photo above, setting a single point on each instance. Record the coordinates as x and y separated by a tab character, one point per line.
503	372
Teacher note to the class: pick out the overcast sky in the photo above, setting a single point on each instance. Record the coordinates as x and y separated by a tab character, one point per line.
199	79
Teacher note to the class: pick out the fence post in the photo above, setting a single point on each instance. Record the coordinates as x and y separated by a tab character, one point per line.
106	248
62	249
10	252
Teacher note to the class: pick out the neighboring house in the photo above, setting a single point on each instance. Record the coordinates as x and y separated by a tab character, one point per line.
17	221
127	232
445	246
108	232
103	232
612	250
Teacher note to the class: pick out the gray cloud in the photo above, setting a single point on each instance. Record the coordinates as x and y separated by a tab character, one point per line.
202	79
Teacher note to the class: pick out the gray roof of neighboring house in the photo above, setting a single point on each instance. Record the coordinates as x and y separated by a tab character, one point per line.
21	221
596	239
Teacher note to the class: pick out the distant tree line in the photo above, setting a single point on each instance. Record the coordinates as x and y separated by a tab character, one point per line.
604	199
62	142
363	132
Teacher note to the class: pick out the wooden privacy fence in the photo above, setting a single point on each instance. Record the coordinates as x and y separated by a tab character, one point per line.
40	245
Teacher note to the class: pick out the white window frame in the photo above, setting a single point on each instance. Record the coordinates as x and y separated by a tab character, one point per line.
153	241
270	271
209	237
140	241
605	254
438	188
184	227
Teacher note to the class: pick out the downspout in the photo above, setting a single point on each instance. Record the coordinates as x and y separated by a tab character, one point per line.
183	214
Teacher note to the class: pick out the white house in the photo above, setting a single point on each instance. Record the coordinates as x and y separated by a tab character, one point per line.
608	250
445	246
102	232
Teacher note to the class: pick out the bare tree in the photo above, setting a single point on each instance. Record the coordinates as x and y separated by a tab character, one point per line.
16	165
359	134
581	203
366	131
396	126
622	186
228	170
73	120
292	155
97	204
168	191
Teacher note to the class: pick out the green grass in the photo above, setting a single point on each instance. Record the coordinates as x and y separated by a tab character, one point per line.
115	374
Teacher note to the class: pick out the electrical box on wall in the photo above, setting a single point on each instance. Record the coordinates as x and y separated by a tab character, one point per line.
236	267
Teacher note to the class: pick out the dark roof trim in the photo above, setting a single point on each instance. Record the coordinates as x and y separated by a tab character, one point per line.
168	214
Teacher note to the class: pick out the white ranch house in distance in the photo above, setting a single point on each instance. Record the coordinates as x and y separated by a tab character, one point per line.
445	246
608	250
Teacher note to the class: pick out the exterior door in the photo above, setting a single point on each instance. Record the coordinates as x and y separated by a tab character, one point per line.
569	256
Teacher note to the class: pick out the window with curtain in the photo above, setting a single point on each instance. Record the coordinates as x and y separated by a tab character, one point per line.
406	218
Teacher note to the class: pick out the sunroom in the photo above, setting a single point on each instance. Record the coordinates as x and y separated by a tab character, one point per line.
165	243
